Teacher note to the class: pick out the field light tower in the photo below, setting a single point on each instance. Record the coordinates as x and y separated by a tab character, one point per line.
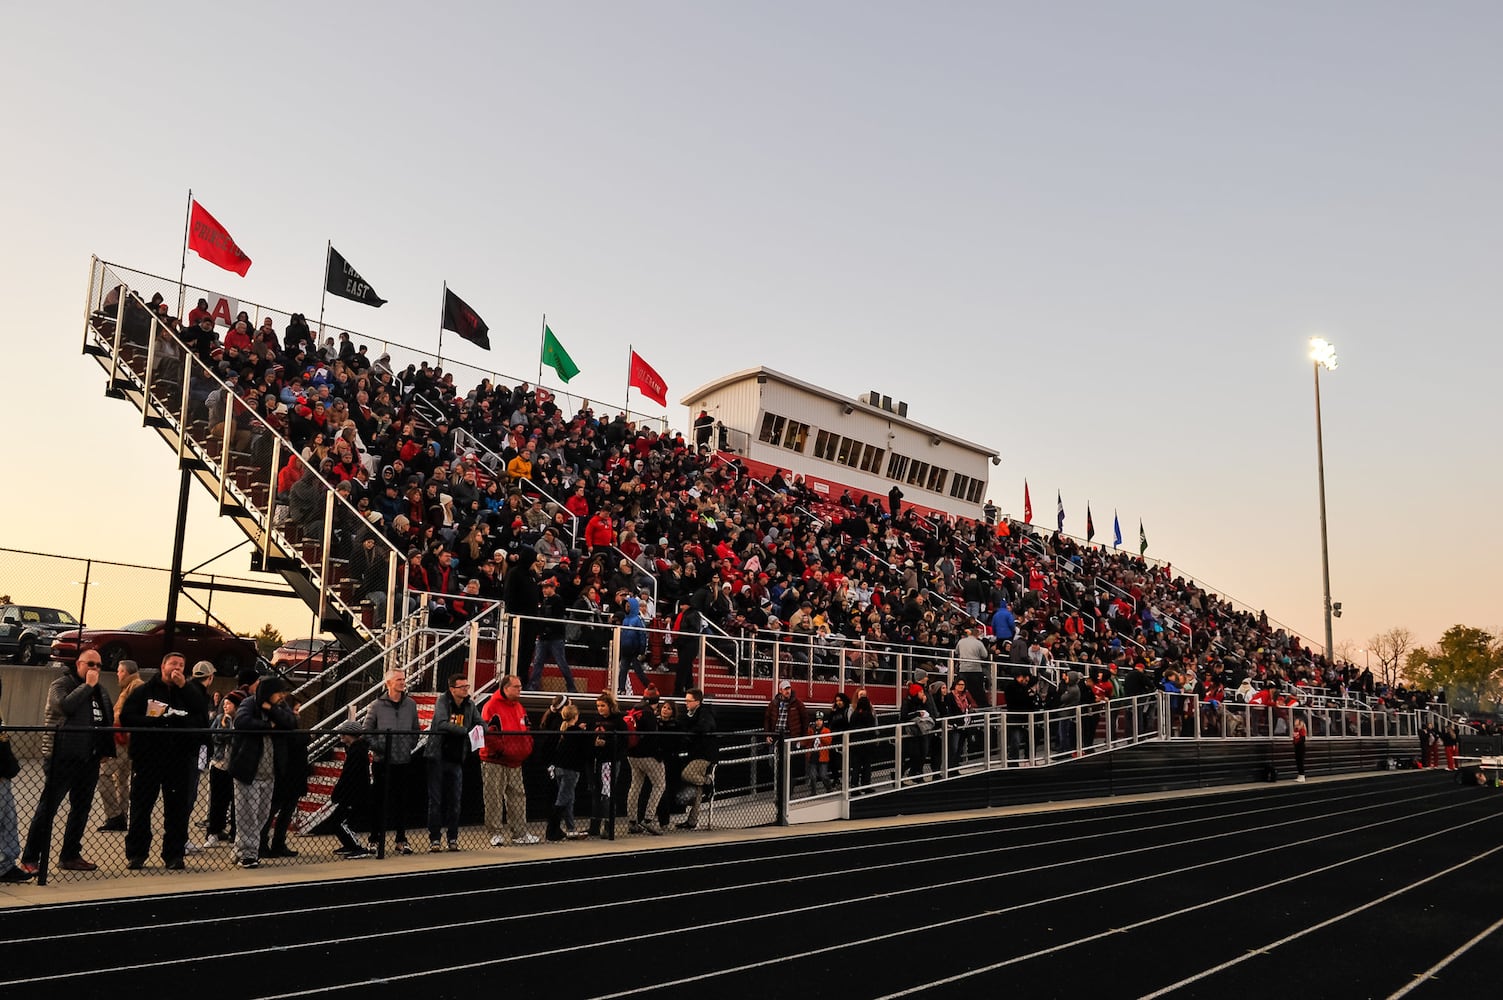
1323	354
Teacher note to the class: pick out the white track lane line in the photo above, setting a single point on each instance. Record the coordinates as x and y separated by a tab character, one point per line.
490	892
1265	949
782	914
908	863
927	927
1204	801
1429	973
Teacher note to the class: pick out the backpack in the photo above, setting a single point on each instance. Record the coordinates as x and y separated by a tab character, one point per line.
633	719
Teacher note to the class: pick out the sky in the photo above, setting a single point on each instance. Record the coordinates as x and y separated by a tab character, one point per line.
1095	236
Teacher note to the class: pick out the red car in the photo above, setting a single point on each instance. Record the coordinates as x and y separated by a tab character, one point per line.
142	641
305	657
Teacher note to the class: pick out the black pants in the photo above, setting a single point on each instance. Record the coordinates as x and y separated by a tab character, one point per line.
283	808
75	781
387	784
173	775
221	801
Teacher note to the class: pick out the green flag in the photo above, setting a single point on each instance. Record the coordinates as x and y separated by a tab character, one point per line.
1142	539
555	357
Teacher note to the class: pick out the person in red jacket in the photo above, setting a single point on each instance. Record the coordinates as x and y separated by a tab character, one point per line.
599	531
507	745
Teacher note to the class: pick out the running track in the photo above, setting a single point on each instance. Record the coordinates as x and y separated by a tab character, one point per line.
1347	888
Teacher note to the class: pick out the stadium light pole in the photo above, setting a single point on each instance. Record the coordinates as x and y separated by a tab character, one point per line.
1323	354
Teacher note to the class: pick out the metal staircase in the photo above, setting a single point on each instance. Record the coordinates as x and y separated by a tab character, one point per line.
301	527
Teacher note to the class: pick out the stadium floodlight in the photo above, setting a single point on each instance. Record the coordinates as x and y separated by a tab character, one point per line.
1323	353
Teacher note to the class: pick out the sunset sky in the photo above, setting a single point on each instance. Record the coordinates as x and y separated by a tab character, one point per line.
1096	236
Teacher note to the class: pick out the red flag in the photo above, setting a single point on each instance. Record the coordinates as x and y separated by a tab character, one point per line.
208	239
1027	505
649	381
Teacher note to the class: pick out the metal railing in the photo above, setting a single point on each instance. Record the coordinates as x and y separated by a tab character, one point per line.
402	354
890	757
243	453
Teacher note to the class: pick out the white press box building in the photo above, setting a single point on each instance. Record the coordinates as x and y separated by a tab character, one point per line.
866	444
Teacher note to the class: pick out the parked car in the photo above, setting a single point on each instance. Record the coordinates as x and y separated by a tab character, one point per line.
144	641
305	656
27	631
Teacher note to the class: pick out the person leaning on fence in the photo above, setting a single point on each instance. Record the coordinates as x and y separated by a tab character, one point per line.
1298	734
164	760
392	721
863	749
609	729
571	755
351	791
508	744
783	718
702	753
78	717
670	752
818	755
10	830
258	756
114	772
454	715
221	785
644	759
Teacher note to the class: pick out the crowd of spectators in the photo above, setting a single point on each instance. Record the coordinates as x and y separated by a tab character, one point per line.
469	484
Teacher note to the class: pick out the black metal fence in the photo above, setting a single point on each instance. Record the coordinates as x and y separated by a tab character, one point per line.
108	803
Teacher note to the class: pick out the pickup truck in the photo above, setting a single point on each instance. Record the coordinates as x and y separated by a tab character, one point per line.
27	631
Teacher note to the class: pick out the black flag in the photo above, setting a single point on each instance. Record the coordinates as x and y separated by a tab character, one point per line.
343	280
464	321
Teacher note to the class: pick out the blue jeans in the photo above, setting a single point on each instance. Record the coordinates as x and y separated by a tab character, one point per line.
550	650
445	786
567	780
10	831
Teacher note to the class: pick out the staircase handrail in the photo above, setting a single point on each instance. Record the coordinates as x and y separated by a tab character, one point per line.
233	398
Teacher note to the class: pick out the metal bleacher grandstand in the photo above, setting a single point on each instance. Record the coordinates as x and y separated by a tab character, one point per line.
308	536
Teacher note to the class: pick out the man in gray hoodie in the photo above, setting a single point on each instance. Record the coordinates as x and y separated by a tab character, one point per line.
392	721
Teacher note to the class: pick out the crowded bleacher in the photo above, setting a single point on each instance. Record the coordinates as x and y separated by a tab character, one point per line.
471	482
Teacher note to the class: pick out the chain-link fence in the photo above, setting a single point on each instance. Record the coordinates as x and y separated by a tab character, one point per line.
88	804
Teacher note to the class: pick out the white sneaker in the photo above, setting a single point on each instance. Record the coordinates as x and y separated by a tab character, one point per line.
1299	777
212	841
498	841
189	847
527	838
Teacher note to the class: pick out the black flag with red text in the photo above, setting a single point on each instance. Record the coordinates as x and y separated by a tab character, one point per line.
466	322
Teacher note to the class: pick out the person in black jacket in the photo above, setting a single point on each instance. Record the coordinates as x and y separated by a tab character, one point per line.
646	764
257	756
606	768
352	790
290	786
164	759
80	717
571	754
703	752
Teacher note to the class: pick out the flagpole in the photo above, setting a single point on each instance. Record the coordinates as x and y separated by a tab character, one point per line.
441	303
542	343
629	351
183	266
328	246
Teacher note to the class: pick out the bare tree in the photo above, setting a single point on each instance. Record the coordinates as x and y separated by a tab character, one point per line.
1389	649
1346	651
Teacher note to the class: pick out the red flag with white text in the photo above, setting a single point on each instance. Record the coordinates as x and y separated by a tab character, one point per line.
1027	505
208	239
644	377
